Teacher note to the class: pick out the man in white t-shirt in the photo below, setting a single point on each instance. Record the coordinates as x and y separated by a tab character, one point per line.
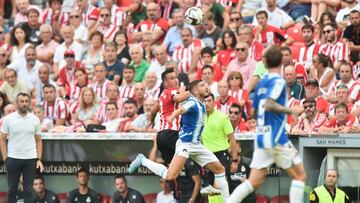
158	66
21	147
343	16
67	32
27	68
277	17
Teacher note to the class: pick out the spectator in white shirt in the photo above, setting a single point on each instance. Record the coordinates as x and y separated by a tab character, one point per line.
28	67
81	32
277	17
67	32
158	66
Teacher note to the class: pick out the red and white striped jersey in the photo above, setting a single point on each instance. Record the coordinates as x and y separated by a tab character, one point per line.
108	31
75	92
353	87
183	55
334	123
167	106
292	102
319	120
5	46
47	17
92	13
126	91
74	106
117	15
102	116
100	89
307	53
225	106
337	52
59	110
153	93
271	35
332	108
255	50
147	25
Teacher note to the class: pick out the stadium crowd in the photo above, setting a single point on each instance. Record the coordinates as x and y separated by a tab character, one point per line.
122	66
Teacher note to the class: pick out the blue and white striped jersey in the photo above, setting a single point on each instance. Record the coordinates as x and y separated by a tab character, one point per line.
192	121
270	126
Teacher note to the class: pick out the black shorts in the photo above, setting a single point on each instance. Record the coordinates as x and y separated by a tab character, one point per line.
166	141
225	160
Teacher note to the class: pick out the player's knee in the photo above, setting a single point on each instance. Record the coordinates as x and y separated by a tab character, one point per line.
219	169
256	183
301	177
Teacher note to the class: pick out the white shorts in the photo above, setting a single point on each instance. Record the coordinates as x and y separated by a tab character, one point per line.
284	156
196	152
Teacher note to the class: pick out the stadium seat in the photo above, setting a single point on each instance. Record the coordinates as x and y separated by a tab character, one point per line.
3	197
62	197
150	198
280	199
295	49
261	199
295	32
104	198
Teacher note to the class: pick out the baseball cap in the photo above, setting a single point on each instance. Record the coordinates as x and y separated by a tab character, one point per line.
69	52
312	82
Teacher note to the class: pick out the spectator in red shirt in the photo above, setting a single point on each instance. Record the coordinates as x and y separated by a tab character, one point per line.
127	88
310	120
238	123
341	123
224	101
310	49
66	74
237	90
255	48
157	25
342	95
207	55
89	13
267	34
56	109
227	52
130	113
80	81
312	90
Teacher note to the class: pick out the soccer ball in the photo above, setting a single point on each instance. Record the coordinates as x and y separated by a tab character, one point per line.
194	16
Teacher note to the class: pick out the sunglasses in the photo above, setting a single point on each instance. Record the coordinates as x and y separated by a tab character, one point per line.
327	31
69	56
105	15
309	106
234	112
234	78
72	17
234	19
240	49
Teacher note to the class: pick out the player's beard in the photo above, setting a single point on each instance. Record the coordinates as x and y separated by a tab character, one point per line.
23	109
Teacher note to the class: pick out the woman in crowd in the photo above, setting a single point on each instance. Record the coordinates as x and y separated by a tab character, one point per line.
236	84
81	81
86	108
323	73
113	122
19	43
327	18
227	52
94	54
121	40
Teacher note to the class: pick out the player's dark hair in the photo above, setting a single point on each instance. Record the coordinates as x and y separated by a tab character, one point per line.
207	67
273	57
131	101
207	50
165	73
193	84
210	95
262	12
82	170
307	27
118	176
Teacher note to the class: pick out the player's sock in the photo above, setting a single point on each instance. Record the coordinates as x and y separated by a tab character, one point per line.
241	192
297	191
156	168
221	183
